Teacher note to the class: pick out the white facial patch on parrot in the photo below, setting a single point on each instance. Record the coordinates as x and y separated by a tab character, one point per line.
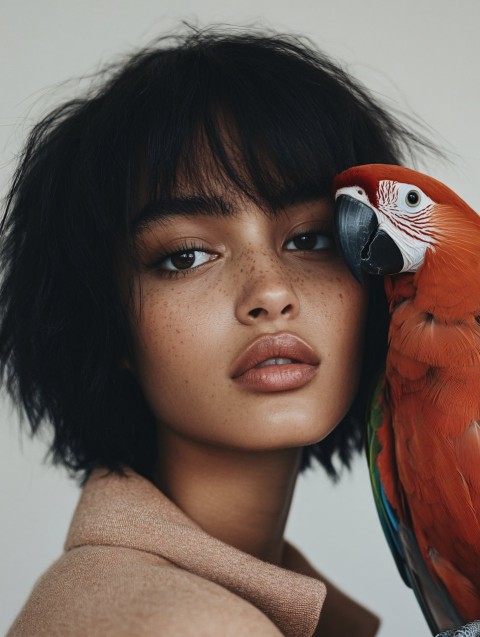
404	214
356	192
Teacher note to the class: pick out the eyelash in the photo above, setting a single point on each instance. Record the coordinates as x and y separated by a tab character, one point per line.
181	248
191	247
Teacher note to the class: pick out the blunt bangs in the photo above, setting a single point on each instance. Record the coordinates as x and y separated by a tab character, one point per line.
264	114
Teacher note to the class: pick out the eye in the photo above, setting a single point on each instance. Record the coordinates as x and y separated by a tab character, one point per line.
309	241
412	198
184	260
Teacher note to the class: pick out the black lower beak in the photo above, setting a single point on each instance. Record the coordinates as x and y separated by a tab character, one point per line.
364	247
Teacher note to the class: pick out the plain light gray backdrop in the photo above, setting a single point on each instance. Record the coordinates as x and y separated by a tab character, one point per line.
421	55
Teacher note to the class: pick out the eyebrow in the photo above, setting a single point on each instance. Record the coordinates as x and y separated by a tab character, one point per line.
162	210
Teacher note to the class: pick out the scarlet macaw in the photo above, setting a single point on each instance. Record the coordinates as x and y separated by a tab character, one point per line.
423	442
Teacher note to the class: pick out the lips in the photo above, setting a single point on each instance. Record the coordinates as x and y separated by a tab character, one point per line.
276	362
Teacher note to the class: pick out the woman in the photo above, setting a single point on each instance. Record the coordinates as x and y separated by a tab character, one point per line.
175	307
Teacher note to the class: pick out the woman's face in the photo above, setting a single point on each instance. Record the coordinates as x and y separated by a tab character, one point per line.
248	329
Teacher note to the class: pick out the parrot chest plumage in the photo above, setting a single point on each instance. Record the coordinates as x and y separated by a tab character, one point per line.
433	384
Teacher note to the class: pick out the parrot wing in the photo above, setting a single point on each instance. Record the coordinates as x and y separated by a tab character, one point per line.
431	595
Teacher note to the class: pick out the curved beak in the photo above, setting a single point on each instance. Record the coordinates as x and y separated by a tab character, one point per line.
364	247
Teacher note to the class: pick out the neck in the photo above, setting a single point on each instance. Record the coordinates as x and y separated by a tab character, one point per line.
448	282
240	497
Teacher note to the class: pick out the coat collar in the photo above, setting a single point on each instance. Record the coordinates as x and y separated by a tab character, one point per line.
129	511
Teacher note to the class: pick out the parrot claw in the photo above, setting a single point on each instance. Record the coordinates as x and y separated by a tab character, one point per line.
469	630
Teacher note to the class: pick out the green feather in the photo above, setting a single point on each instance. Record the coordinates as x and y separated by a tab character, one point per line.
380	416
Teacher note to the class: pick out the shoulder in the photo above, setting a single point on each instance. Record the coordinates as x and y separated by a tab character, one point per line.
109	591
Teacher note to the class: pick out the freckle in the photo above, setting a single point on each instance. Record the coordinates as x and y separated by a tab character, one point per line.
340	296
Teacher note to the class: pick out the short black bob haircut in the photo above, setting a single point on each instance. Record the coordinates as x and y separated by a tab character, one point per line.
295	119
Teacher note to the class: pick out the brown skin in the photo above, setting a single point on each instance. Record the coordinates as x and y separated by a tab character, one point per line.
229	456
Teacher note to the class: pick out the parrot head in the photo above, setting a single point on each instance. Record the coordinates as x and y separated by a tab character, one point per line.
385	217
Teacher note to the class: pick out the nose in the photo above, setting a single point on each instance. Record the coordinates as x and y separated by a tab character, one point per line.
267	294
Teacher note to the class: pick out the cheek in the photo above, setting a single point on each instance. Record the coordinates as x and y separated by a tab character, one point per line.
340	303
349	316
176	348
342	325
350	323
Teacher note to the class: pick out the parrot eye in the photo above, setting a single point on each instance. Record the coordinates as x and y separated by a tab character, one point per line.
412	198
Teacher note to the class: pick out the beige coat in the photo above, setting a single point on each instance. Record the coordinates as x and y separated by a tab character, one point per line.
136	565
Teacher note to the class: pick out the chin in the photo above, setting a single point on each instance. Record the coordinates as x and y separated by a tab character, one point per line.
293	432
